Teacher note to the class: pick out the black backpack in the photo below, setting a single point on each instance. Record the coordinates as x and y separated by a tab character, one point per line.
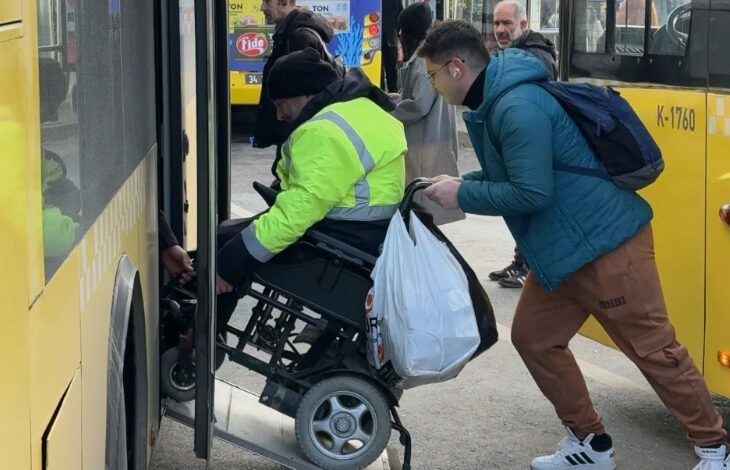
629	156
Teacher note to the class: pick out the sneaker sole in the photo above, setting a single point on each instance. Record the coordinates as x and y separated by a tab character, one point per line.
587	466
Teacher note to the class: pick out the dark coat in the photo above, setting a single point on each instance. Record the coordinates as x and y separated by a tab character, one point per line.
542	48
288	37
391	10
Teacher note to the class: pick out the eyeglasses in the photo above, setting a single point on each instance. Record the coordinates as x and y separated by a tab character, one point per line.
431	75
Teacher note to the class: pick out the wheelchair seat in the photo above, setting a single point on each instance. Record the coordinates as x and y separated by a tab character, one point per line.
334	282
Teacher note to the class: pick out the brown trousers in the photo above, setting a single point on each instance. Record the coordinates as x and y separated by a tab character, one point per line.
621	289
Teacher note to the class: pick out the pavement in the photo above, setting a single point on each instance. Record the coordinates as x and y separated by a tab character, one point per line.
461	132
492	416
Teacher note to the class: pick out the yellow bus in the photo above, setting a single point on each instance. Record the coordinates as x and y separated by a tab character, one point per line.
95	96
357	26
669	59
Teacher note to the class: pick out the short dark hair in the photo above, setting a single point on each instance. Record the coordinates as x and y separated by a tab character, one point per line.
455	38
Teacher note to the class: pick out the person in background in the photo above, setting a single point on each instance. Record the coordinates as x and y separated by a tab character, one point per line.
389	47
296	29
430	122
511	30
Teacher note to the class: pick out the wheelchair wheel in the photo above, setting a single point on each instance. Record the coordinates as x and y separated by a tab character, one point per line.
177	375
343	423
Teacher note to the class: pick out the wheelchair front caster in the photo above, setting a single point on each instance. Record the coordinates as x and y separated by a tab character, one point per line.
343	423
177	374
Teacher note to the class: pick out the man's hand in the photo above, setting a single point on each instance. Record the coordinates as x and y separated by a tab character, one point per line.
445	193
178	263
222	286
439	178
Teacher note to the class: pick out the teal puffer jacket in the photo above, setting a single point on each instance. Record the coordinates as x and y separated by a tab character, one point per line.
560	221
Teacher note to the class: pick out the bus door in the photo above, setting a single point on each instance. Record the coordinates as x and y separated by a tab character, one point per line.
654	52
206	121
717	338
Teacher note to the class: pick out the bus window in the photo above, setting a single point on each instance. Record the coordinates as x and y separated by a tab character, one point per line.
670	36
590	24
630	20
543	17
90	143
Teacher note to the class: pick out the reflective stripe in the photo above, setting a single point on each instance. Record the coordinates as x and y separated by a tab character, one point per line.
362	210
362	193
363	213
286	153
254	246
367	161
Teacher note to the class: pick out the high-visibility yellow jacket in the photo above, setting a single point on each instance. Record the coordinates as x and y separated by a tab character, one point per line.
346	162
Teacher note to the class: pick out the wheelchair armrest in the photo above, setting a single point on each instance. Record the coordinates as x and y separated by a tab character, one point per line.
339	248
267	193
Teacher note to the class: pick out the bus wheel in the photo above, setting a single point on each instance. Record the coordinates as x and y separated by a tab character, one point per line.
177	375
343	423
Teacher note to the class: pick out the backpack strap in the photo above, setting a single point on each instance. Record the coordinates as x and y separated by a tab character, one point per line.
490	115
578	170
319	39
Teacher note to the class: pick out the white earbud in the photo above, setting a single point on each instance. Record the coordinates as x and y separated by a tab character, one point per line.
453	74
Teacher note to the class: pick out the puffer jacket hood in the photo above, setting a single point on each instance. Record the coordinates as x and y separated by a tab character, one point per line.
301	18
509	67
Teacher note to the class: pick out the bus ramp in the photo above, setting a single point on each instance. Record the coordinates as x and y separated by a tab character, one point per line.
244	422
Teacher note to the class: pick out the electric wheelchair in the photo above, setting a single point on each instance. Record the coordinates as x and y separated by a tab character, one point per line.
344	409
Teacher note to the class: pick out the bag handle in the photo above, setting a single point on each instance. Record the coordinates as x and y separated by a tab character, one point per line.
411	189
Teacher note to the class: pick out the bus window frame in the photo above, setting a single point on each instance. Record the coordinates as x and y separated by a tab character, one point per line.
687	70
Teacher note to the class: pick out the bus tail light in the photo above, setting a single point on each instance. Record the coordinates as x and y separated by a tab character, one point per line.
723	357
374	17
374	30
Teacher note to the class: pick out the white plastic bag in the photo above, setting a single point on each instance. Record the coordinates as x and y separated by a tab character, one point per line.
421	306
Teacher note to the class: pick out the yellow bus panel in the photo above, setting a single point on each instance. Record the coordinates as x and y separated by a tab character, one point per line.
15	405
63	444
10	11
717	318
242	93
120	229
54	346
678	200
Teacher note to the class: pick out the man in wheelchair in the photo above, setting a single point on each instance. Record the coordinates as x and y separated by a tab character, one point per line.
341	171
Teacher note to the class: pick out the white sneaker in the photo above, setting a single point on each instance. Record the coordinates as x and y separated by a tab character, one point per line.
712	459
574	454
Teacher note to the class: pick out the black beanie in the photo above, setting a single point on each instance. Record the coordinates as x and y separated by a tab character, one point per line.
415	20
300	73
